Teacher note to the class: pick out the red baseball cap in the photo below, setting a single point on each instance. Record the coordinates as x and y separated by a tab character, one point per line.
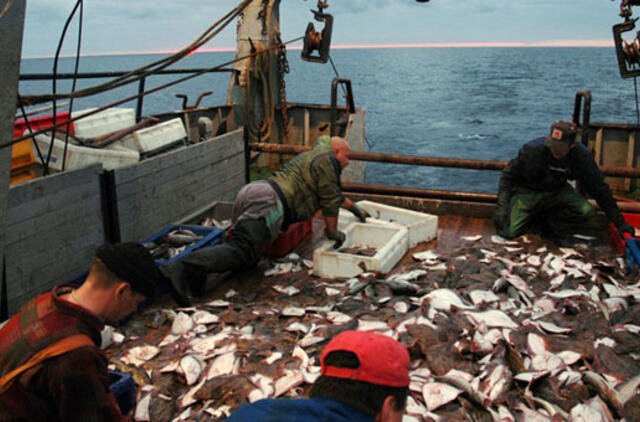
383	360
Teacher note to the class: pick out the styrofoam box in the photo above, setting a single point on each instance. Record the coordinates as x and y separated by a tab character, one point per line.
346	218
78	157
103	122
391	243
155	137
422	227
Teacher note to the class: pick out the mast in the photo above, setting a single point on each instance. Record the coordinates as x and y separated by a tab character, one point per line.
11	28
254	88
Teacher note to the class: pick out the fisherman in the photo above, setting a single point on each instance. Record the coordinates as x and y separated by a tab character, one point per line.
534	194
309	182
364	377
51	364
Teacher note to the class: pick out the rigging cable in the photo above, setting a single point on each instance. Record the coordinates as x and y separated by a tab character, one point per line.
28	123
635	88
344	92
55	79
73	84
151	91
142	72
6	8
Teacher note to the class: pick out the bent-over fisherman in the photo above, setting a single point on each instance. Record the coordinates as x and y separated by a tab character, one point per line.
534	193
364	377
307	183
51	364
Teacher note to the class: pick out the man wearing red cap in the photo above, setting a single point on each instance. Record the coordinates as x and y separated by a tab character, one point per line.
534	194
364	378
51	365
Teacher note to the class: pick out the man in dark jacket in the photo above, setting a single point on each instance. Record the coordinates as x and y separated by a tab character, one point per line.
307	183
534	193
51	365
364	378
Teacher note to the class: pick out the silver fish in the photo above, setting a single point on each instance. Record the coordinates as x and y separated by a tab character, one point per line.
223	365
492	319
437	394
181	324
290	380
142	409
192	368
138	355
444	300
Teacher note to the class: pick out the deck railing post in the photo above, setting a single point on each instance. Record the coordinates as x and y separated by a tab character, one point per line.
140	101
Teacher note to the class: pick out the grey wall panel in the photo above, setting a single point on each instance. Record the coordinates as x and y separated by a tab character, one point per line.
55	224
155	193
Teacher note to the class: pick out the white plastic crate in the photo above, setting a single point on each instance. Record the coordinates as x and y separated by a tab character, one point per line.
347	218
101	123
422	227
78	157
391	243
155	137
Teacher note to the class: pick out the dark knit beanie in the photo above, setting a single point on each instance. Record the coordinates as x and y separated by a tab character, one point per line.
133	263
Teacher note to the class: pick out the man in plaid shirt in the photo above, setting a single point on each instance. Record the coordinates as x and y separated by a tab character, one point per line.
51	364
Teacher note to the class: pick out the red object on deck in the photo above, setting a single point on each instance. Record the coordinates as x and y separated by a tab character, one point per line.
286	241
619	242
42	122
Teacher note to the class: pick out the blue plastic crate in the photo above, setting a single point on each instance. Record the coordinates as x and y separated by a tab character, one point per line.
210	236
632	255
124	389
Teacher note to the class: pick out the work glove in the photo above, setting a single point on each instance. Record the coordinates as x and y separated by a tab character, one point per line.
626	228
500	218
338	237
360	212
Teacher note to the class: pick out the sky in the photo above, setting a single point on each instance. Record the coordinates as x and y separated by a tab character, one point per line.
134	26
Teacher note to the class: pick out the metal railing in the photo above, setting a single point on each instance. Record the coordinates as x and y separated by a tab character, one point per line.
113	74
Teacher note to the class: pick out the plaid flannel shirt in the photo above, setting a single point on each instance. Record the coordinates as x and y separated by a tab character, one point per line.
70	387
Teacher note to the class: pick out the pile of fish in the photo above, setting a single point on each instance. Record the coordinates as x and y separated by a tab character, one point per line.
496	330
172	244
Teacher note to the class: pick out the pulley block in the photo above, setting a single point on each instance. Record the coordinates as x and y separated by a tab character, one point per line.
318	41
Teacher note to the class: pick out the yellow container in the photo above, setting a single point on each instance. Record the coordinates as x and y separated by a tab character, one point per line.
19	176
22	155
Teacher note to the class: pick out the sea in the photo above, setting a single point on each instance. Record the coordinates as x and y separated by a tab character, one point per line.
477	103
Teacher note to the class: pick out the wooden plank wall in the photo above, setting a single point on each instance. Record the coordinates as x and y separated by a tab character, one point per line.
54	224
157	192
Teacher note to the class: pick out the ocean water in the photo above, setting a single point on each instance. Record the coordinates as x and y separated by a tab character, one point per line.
478	103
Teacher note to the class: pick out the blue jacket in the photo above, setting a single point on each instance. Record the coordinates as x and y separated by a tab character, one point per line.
298	410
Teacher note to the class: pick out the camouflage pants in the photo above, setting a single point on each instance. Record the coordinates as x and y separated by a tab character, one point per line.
555	214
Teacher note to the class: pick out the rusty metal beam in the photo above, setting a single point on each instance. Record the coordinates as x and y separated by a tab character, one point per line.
448	196
419	192
427	161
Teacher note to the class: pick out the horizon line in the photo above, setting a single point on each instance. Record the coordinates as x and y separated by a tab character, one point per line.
559	44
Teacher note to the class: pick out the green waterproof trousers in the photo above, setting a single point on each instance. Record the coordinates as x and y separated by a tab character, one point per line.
555	214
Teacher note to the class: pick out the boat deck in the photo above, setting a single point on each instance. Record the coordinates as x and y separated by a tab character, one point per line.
262	331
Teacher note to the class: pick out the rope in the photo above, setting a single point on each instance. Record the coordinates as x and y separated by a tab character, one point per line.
635	88
26	121
151	91
344	92
6	8
55	80
73	86
143	72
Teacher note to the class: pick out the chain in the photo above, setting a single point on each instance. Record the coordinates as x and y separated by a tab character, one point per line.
283	67
263	16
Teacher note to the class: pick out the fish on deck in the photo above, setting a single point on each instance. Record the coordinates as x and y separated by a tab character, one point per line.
492	338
